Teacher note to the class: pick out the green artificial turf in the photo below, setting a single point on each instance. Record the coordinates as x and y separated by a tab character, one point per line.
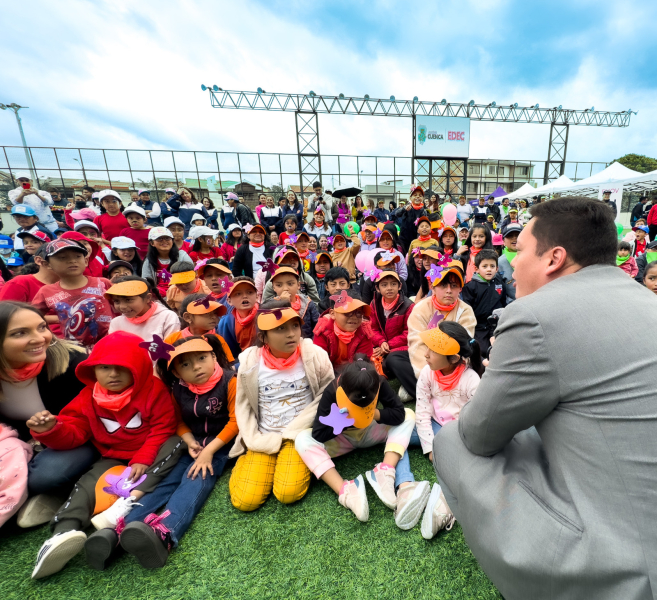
313	549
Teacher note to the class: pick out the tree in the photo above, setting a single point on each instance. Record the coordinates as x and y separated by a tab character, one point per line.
638	162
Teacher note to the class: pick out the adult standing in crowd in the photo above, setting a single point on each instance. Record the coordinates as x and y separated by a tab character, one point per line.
262	202
152	209
185	202
606	198
480	212
39	200
326	202
550	467
407	216
652	222
293	207
271	217
241	213
639	210
212	213
463	210
493	209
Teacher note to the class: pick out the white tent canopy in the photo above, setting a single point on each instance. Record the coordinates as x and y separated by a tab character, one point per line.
614	174
550	188
641	183
524	191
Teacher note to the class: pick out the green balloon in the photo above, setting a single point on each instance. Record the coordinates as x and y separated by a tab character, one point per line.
351	225
398	229
442	207
619	229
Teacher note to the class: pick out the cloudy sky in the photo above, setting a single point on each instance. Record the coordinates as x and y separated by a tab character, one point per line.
125	74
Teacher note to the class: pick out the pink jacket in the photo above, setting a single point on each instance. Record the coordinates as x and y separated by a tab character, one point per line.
14	456
629	266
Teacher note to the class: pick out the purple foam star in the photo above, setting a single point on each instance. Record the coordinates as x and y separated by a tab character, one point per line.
337	419
312	257
269	266
416	251
248	227
225	284
293	239
205	302
165	276
157	348
387	256
342	300
433	322
435	272
200	263
373	273
330	240
366	213
444	260
119	484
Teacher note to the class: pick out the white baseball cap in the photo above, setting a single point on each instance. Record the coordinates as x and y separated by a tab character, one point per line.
232	226
169	191
158	232
105	193
171	220
23	175
197	217
135	209
199	230
144	192
84	223
121	242
95	195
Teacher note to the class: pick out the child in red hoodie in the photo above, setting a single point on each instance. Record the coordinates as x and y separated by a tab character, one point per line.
129	416
341	330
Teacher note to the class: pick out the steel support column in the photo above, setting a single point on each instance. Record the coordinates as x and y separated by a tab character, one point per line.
556	160
310	164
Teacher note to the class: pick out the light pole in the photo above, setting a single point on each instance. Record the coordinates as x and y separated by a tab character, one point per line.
15	107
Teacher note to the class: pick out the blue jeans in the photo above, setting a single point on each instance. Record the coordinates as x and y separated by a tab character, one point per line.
182	496
403	472
58	470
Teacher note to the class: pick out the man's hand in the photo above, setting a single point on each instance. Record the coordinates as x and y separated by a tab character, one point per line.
136	471
41	422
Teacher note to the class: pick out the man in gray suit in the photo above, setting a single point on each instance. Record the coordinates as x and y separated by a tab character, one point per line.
551	469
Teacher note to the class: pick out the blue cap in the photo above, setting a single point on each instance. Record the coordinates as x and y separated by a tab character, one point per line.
6	242
641	227
23	209
14	261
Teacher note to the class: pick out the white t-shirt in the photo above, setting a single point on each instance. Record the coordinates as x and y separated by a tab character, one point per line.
258	256
282	395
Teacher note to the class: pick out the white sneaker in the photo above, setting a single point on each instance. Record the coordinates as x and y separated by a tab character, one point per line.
382	480
411	500
56	552
404	396
38	510
354	497
437	514
109	518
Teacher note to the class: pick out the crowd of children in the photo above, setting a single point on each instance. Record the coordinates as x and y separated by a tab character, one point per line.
195	349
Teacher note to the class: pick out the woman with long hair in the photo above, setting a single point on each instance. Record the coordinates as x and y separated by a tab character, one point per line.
293	207
231	244
213	214
37	373
185	202
358	209
344	214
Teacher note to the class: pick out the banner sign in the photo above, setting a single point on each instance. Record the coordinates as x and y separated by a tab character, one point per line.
616	193
442	137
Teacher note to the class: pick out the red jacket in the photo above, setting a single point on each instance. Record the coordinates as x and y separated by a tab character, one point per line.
326	338
227	252
395	330
111	226
138	430
652	216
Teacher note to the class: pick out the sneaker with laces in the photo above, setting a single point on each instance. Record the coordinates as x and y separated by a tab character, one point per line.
149	542
382	480
411	500
354	497
100	547
39	510
56	552
109	518
404	396
437	515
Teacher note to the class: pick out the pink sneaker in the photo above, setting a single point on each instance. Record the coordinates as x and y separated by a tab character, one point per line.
353	496
382	480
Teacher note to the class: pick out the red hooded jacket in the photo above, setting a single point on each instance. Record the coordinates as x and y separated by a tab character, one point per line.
395	329
325	338
137	431
95	266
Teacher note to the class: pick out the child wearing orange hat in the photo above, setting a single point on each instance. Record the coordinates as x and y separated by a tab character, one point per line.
280	381
285	281
216	275
423	239
448	380
184	281
348	418
238	327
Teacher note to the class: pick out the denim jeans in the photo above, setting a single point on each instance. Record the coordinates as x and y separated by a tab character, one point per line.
403	472
57	470
181	495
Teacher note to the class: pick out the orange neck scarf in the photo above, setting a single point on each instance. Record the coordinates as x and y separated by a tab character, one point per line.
442	307
424	238
336	251
449	382
143	318
113	402
210	383
389	305
296	304
245	327
256	245
280	364
344	336
28	371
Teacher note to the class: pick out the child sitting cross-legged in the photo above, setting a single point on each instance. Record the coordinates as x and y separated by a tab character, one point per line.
342	333
128	415
446	383
203	386
485	292
141	308
348	418
285	282
184	281
279	384
201	314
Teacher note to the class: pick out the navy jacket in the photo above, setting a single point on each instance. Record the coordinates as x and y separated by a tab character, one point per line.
382	215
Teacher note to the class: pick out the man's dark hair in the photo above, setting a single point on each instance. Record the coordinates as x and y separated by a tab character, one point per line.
485	255
624	246
336	273
88	188
317	184
582	226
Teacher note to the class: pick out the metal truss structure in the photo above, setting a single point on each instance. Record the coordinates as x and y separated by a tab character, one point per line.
307	106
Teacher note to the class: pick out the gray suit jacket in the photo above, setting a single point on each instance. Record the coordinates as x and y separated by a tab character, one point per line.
551	468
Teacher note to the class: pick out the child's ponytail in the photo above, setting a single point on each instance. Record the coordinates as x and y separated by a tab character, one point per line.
468	347
359	380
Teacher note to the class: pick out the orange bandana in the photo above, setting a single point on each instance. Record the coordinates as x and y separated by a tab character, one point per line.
279	364
28	371
441	307
449	382
147	315
113	402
